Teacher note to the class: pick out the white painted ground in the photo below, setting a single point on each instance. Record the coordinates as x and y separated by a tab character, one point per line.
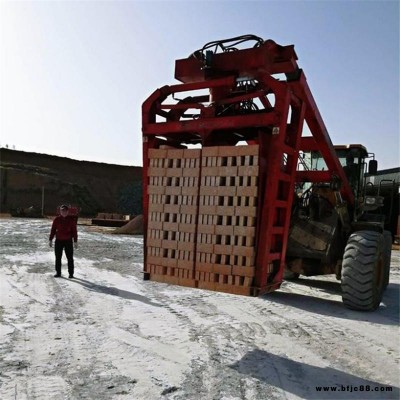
110	335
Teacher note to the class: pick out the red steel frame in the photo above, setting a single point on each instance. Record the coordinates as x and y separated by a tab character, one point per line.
277	130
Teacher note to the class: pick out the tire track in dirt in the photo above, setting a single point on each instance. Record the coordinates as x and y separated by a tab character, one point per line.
307	340
91	350
320	339
223	341
342	335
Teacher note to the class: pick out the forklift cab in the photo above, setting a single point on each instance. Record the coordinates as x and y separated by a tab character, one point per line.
353	160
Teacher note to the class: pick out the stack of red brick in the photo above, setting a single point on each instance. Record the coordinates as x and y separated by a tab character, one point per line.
202	217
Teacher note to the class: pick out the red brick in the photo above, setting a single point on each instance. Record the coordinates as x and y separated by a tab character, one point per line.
224	230
206	285
244	231
223	249
169	262
174	172
222	269
154	259
189	191
171	208
155	220
152	242
245	211
208	191
157	153
185	264
248	171
208	229
241	290
186	246
191	153
210	151
172	280
173	190
225	210
210	210
190	228
170	226
228	151
154	171
187	282
210	171
226	191
251	150
152	189
248	191
188	210
227	171
205	248
154	207
170	244
175	153
203	267
191	172
243	251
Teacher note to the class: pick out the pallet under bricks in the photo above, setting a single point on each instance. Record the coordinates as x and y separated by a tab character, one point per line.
202	217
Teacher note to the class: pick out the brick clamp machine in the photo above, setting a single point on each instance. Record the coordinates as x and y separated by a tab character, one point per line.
220	167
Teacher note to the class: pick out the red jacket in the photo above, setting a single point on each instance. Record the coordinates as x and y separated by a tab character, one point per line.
64	228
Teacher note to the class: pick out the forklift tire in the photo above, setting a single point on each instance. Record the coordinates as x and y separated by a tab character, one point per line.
387	254
363	270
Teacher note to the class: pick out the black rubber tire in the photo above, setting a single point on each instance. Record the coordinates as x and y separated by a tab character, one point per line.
363	271
387	254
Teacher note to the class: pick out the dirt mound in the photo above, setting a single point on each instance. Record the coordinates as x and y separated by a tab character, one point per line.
133	227
79	183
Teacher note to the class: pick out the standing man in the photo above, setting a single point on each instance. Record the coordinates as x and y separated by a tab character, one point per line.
64	229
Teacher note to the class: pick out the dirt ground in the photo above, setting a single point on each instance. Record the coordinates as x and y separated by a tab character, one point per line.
110	335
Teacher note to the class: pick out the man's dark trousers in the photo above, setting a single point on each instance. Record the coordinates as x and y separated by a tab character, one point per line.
66	245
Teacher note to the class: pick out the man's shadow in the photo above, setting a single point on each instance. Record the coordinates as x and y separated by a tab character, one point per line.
304	380
94	287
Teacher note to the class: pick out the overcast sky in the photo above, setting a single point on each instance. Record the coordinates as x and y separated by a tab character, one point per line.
74	75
